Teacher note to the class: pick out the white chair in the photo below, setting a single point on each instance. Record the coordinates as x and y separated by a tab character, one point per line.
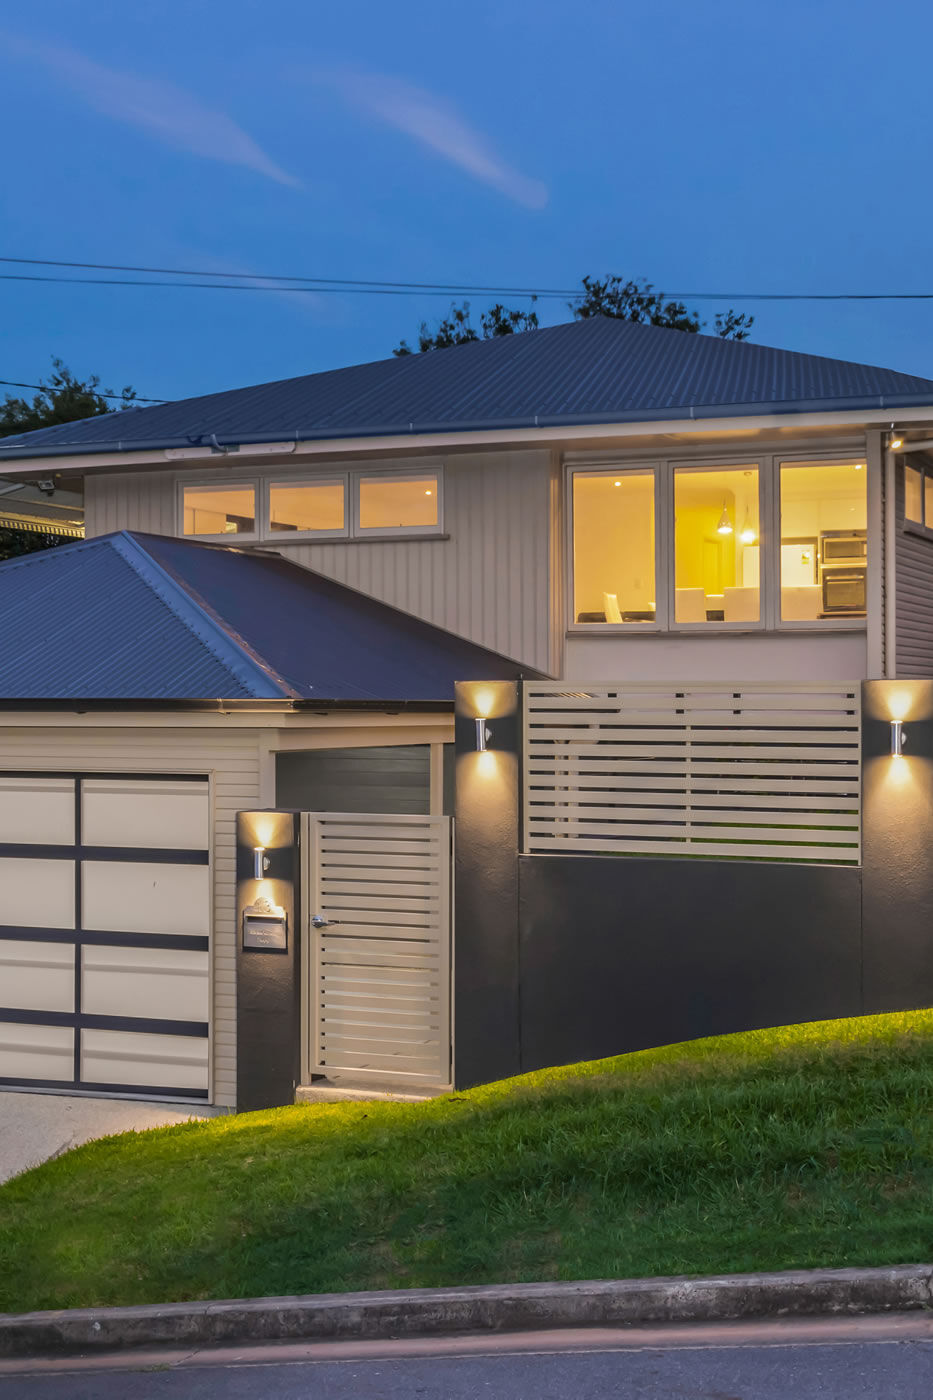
741	605
611	607
689	605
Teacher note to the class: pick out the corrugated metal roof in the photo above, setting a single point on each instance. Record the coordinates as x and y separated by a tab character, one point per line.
592	371
137	617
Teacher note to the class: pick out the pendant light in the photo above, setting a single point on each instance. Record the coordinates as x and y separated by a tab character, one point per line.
748	535
725	524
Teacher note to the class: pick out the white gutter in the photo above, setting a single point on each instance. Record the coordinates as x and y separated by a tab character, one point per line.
399	444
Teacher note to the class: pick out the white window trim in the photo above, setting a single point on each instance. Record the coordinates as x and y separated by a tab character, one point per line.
221	483
768	466
631	629
298	536
375	532
352	531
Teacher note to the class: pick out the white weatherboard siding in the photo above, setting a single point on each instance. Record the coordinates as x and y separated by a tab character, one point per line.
490	580
231	759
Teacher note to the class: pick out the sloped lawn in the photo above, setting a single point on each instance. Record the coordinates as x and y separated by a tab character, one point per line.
804	1146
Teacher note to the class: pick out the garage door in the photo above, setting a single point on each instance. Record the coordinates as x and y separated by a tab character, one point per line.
105	933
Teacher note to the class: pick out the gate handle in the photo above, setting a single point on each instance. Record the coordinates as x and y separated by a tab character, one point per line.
318	921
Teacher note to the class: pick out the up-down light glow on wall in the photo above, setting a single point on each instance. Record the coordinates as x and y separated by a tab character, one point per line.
260	862
898	738
483	735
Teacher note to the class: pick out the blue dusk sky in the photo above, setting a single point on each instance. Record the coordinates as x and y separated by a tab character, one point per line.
727	146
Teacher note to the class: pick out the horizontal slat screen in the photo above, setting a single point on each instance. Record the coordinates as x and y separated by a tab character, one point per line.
746	772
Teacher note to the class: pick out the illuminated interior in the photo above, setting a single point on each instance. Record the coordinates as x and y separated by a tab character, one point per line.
307	506
716	546
824	539
398	502
913	495
613	547
226	510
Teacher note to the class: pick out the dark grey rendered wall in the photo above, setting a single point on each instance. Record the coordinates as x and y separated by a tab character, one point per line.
619	953
355	780
913	592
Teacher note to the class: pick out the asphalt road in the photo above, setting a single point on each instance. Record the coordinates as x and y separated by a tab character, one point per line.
850	1359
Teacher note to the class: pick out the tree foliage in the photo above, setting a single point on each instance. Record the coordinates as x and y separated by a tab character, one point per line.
457	329
63	398
601	296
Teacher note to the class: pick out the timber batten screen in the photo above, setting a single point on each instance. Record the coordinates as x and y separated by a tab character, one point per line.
749	772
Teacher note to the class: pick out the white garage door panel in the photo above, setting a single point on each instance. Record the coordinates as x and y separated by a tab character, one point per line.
131	812
37	976
130	1057
37	893
40	811
126	897
36	1052
163	983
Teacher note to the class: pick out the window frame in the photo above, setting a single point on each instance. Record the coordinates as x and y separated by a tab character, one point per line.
818	624
222	483
920	528
751	463
376	532
768	465
267	534
352	533
637	629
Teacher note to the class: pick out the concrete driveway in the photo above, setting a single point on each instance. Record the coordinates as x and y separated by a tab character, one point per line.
35	1127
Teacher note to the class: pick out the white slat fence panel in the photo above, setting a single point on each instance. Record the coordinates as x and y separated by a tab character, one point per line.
749	772
380	969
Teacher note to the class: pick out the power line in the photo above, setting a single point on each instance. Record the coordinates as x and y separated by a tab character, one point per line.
377	285
44	388
321	283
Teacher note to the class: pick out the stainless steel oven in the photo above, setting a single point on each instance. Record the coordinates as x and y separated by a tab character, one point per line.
841	547
844	591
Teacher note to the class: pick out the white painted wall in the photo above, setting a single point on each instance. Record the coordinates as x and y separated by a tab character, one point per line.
780	656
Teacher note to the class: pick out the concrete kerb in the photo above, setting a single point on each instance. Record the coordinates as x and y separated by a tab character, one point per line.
496	1308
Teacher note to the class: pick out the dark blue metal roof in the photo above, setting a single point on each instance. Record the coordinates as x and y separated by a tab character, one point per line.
139	617
592	371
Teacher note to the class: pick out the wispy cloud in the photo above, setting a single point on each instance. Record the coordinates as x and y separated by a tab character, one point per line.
161	108
436	124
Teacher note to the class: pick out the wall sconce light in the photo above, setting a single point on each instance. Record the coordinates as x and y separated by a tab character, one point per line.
260	862
898	738
483	735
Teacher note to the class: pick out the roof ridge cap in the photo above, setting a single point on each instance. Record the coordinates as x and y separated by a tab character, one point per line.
195	616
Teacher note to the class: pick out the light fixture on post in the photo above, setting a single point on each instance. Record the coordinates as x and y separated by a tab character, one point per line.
483	735
898	738
725	524
260	862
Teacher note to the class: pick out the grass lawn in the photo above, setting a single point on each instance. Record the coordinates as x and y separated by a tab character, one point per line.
804	1146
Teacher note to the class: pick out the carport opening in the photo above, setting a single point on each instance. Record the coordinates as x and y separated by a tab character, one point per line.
393	779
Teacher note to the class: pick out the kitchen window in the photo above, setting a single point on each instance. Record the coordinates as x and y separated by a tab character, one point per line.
613	547
824	541
719	546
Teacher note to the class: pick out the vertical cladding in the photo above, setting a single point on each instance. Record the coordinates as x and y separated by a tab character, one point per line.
232	760
913	594
141	501
487	581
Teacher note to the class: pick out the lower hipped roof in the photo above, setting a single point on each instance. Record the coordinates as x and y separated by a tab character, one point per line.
141	617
